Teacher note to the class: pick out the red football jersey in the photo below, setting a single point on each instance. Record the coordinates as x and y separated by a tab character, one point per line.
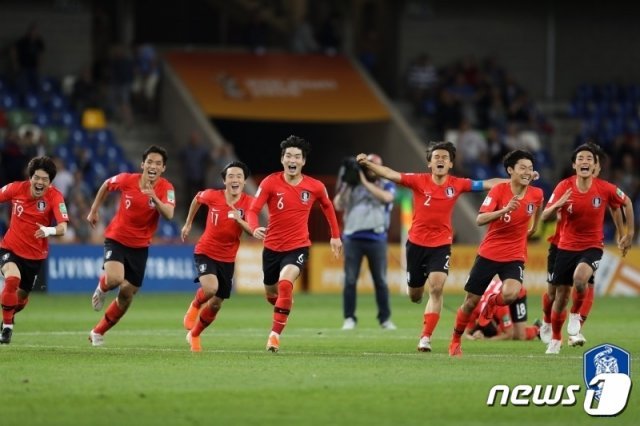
137	218
26	213
432	207
506	238
221	237
584	213
289	208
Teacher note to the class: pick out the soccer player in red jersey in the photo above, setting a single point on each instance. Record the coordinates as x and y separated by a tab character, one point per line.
581	200
507	323
38	211
512	211
579	309
143	198
215	252
429	241
289	196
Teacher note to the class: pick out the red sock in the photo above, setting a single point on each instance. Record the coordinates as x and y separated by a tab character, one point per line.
462	320
546	307
271	298
587	303
111	317
557	321
430	321
9	299
207	316
531	332
200	299
102	282
283	305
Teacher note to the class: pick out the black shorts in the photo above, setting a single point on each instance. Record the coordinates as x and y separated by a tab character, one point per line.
567	261
222	270
551	261
421	261
484	270
29	268
274	261
518	310
133	259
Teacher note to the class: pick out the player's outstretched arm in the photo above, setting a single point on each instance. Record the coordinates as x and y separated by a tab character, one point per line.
382	171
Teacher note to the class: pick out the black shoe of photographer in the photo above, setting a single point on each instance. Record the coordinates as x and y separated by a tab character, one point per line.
5	337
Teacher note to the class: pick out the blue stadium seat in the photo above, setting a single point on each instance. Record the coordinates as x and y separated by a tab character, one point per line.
32	101
42	118
8	101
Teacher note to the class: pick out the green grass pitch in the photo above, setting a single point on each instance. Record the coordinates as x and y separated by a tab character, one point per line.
146	375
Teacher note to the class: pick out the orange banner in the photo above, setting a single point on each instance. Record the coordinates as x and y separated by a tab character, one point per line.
277	86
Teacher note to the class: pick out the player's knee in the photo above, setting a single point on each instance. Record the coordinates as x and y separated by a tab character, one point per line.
415	294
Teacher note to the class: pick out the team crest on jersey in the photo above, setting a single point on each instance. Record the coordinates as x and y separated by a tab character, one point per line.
450	192
530	208
596	202
152	203
41	205
305	196
241	211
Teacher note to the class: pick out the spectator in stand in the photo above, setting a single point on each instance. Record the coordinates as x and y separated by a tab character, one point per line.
448	113
32	141
195	158
85	93
303	39
64	178
13	159
222	155
146	78
471	144
330	34
515	139
26	58
120	82
257	33
496	147
422	78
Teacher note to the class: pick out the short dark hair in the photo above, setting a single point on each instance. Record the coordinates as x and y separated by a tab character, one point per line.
154	149
295	142
447	146
42	163
239	164
514	156
591	147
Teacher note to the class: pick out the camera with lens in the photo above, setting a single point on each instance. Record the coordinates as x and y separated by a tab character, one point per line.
350	172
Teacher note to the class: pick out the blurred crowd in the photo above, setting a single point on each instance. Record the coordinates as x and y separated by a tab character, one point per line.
479	106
